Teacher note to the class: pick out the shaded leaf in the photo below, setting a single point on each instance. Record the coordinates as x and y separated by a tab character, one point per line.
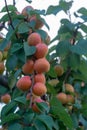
15	126
29	50
58	110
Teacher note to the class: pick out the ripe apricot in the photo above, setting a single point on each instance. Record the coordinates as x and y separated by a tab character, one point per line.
34	105
2	67
69	88
25	11
39	89
41	50
34	39
28	67
59	70
6	98
41	65
24	83
40	78
70	99
38	22
1	56
62	97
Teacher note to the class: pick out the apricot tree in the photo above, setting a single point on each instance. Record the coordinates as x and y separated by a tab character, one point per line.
43	85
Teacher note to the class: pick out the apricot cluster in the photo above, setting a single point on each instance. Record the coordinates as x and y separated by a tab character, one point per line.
67	97
36	66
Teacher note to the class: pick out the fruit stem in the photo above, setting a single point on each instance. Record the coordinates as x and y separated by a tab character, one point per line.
31	98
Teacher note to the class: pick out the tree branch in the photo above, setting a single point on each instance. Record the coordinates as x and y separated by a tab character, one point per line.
14	2
10	19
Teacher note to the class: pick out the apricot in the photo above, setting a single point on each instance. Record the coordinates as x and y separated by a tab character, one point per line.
62	97
28	67
34	39
40	78
59	70
70	99
39	89
24	83
41	50
38	22
41	65
6	98
2	67
69	88
1	56
34	105
53	82
25	11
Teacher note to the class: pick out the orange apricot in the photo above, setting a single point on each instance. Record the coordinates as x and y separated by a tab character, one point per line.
28	67
34	39
39	89
25	11
62	97
70	99
41	65
41	50
34	105
6	98
40	78
59	70
24	83
69	88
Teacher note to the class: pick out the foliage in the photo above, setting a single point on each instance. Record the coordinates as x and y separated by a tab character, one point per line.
70	52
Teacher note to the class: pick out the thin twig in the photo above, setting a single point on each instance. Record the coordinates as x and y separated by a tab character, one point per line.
9	15
14	2
10	19
31	90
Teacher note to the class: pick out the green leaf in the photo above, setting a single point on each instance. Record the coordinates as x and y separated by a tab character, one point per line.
62	49
10	8
58	110
4	44
11	62
39	125
9	118
73	61
15	47
29	50
65	5
52	72
20	99
83	11
84	28
47	120
23	28
53	10
44	107
11	81
15	126
80	48
10	107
